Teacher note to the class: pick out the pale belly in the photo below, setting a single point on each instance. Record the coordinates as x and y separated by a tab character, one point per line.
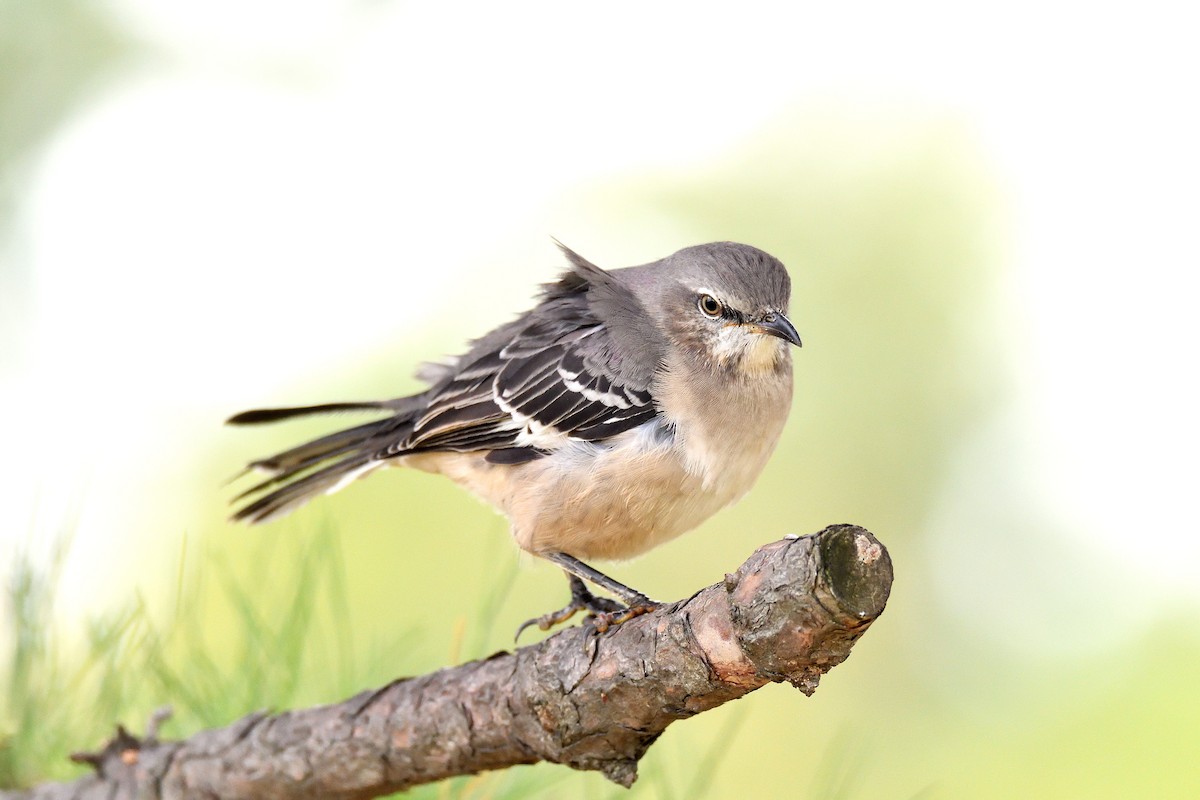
621	507
598	502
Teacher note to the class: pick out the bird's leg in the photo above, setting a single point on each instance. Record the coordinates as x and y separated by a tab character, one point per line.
578	569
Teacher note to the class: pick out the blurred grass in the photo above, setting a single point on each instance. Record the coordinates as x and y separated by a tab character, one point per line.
64	694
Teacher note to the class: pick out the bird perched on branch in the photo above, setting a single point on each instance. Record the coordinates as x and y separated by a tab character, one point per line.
624	409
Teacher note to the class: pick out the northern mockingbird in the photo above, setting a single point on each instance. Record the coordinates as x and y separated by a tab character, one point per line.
624	409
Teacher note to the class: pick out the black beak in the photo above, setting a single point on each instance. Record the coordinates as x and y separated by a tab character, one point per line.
776	324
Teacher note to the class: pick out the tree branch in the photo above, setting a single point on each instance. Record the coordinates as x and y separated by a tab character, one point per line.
594	702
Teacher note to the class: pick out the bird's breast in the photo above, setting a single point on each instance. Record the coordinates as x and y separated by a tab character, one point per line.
726	426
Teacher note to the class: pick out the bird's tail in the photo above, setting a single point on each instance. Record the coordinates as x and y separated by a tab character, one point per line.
321	466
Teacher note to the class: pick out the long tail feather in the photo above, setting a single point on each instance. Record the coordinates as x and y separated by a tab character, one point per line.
323	481
322	465
260	415
328	446
291	472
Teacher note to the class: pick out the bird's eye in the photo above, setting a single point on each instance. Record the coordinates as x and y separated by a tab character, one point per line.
709	306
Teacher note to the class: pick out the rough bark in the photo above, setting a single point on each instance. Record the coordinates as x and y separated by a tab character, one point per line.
589	701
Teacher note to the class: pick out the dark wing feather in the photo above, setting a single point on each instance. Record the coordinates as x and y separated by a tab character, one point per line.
558	371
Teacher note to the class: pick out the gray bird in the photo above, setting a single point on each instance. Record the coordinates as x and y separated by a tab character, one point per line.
624	409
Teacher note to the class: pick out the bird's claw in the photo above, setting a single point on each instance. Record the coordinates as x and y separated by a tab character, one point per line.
602	613
547	621
601	622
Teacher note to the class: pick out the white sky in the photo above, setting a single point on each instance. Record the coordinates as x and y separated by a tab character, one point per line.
1089	115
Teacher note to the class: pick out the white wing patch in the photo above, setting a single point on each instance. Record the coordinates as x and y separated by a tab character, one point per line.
607	398
530	432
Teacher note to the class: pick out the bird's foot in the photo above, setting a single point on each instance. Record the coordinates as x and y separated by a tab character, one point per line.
602	621
547	621
603	613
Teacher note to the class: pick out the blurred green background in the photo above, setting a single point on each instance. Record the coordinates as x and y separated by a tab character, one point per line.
209	209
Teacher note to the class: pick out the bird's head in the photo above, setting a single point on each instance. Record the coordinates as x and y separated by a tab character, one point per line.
726	304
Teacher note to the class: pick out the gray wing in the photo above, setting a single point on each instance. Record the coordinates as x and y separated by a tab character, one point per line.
555	374
578	366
